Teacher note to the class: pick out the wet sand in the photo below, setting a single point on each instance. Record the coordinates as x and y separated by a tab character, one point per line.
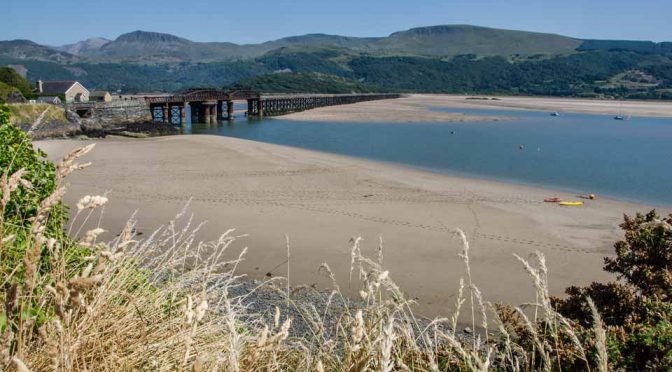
408	109
322	200
418	108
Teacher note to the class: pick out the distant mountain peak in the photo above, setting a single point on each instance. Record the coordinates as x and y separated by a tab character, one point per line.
26	49
451	40
22	42
84	46
439	29
150	37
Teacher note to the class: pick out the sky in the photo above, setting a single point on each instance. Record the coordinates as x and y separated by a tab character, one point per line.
251	21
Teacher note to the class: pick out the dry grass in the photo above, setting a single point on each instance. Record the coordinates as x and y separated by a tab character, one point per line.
30	113
164	303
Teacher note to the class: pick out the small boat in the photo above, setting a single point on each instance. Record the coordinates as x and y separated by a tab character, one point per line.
555	114
619	117
552	200
571	203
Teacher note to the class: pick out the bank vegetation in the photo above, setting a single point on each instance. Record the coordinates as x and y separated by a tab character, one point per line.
165	302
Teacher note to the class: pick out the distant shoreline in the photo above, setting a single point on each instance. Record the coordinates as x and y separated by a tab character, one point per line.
417	108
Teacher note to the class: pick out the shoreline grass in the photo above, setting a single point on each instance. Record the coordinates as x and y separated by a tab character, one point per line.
170	302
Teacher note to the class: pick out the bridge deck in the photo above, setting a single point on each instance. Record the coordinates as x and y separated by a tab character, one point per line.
203	96
214	104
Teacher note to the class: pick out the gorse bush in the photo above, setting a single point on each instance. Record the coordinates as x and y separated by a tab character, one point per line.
637	309
643	258
166	302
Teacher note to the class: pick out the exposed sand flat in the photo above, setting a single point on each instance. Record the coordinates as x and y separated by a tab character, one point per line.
417	108
408	109
321	200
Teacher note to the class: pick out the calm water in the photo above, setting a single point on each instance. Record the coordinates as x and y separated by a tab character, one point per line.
630	160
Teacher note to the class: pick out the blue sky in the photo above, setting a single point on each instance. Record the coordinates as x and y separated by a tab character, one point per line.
250	21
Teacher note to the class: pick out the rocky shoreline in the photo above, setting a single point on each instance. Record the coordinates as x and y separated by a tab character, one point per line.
42	121
133	130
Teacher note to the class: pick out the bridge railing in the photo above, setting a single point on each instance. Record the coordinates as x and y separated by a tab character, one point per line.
273	105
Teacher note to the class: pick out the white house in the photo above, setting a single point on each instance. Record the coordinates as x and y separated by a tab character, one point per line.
71	90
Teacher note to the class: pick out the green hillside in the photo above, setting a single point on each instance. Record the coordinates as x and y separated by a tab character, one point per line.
346	42
302	83
151	47
582	74
620	45
26	49
327	60
608	74
454	40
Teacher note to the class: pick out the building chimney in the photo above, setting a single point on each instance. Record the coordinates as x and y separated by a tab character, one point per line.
38	86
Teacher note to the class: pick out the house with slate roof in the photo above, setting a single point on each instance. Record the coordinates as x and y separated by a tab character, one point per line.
53	100
70	90
100	96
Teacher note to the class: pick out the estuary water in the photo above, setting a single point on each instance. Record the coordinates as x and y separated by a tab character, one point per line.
628	160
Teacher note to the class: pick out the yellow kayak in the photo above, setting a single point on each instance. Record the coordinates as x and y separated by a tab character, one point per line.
571	204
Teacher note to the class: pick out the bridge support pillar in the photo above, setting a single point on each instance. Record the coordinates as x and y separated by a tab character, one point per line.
166	112
220	110
204	114
208	112
260	108
152	109
229	110
196	116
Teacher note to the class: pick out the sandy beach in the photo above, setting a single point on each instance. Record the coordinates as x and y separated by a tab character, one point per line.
418	108
322	200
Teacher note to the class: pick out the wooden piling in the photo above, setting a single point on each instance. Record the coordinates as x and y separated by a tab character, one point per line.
220	110
229	110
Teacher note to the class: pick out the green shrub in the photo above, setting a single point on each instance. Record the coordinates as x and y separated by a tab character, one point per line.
637	311
16	153
13	79
7	91
644	258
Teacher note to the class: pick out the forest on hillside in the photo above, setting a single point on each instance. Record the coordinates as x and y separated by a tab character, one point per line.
598	73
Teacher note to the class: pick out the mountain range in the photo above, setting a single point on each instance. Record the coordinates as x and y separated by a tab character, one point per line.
444	41
431	58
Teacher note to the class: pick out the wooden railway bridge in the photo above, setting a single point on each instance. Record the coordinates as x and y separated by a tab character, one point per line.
207	105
